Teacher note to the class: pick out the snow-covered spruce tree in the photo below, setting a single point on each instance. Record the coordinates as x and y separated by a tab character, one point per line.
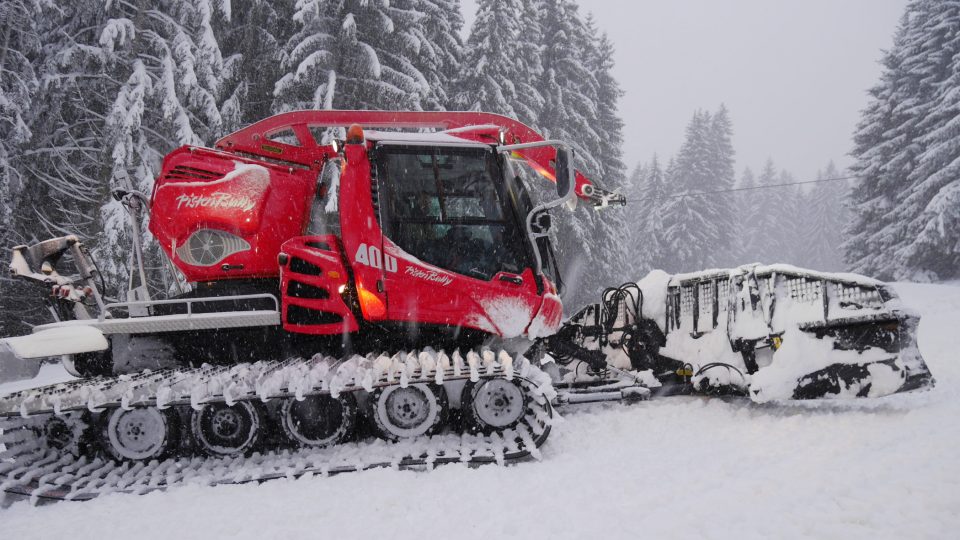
632	231
591	247
20	45
881	165
529	47
611	172
404	53
791	213
905	218
931	209
66	159
721	160
351	54
647	220
494	77
686	238
251	34
122	85
570	88
749	207
766	221
439	48
170	68
698	228
824	226
600	61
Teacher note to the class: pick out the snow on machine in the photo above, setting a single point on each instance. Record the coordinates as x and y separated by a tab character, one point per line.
357	289
767	332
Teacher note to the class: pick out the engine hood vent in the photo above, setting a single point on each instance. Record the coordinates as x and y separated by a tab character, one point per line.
182	173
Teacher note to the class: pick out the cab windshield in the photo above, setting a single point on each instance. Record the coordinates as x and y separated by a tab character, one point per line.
449	207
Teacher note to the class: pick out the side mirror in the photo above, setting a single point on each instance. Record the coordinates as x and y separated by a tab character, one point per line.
564	170
541	223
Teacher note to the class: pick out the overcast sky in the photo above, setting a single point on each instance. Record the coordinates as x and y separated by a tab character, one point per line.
794	73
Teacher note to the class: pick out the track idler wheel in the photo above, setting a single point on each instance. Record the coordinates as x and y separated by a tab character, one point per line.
412	411
65	433
319	420
140	434
494	404
224	430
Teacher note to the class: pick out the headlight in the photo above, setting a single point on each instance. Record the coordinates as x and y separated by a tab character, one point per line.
207	247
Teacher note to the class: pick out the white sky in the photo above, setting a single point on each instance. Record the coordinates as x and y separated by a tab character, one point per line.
794	73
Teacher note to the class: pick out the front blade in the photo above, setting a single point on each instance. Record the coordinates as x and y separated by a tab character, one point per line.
14	368
58	341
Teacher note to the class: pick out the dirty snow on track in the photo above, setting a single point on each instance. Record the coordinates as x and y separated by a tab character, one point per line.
668	468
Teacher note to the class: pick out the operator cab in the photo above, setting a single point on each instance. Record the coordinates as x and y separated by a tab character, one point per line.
460	207
449	206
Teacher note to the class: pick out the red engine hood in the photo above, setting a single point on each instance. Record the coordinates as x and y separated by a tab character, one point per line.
261	203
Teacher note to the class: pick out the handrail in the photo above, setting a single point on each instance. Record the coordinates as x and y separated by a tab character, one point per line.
190	301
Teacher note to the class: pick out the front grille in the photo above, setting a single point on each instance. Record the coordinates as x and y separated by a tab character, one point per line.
302	316
297	289
300	266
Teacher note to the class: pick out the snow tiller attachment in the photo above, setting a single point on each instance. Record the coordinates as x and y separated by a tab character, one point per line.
767	332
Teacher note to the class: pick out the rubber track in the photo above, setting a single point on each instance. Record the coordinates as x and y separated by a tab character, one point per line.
30	468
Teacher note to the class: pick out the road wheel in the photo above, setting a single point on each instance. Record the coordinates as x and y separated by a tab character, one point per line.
412	411
224	430
494	404
319	420
66	433
140	434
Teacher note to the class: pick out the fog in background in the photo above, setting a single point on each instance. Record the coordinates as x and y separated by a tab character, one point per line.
794	74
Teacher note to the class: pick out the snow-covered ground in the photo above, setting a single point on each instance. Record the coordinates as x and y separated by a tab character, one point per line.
667	468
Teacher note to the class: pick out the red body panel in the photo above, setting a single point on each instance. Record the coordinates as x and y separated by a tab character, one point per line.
360	228
260	186
471	126
317	263
262	203
418	291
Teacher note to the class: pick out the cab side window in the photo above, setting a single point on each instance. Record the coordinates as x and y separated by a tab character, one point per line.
325	213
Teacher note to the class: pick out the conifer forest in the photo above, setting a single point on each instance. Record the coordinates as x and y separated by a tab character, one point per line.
94	93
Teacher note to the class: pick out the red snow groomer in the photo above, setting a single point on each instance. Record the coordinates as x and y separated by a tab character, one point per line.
330	288
339	276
